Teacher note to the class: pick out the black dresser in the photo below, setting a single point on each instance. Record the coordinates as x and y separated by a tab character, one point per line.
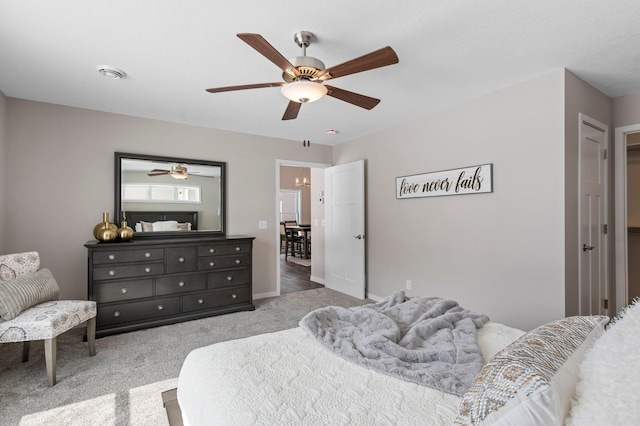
150	282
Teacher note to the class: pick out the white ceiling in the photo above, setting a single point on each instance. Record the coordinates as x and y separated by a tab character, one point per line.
449	51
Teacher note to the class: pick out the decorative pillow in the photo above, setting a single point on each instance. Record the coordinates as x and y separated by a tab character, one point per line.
165	225
146	226
609	383
25	291
13	265
531	381
186	226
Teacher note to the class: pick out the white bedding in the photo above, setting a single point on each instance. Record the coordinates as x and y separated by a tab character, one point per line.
289	378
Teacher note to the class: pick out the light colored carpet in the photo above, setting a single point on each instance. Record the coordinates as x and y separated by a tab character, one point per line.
121	385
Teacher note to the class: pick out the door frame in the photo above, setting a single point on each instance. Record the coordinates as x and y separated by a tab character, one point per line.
276	222
620	212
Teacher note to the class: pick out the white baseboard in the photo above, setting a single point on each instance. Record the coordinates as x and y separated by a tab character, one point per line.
374	297
317	280
265	295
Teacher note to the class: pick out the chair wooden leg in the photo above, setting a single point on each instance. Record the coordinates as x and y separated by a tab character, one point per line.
50	360
91	336
25	351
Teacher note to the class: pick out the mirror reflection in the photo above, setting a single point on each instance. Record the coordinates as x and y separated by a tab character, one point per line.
162	194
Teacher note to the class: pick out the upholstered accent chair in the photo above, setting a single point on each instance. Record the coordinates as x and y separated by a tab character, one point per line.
30	309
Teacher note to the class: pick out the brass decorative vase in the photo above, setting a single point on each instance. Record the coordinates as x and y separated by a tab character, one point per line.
125	233
105	231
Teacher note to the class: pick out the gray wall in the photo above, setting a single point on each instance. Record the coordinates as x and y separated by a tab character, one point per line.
580	97
626	110
60	160
3	169
500	253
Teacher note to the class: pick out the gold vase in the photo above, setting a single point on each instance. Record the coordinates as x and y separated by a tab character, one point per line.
105	231
125	233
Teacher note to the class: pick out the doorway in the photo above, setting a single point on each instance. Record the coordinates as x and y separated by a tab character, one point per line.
299	187
627	213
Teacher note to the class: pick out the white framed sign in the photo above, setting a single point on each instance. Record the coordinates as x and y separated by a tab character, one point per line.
468	180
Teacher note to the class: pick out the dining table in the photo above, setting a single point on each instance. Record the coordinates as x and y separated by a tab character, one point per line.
304	231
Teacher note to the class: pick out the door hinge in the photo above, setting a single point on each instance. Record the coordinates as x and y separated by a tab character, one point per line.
606	303
605	154
605	229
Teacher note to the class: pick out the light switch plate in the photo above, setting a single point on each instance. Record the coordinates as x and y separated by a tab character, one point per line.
262	224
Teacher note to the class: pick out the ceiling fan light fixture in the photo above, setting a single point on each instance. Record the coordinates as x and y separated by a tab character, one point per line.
180	176
303	91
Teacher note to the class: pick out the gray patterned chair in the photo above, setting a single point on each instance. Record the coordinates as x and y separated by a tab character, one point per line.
30	309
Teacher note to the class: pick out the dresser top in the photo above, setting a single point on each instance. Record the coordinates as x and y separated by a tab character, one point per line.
157	241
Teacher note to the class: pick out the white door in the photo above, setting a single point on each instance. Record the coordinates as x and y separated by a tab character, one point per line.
344	233
593	247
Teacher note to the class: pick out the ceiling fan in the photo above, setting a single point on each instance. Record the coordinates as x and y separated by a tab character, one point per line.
304	76
177	172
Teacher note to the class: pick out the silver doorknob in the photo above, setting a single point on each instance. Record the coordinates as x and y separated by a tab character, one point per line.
586	247
359	236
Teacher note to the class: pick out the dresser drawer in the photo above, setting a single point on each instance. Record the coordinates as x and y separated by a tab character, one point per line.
215	298
137	311
205	263
181	259
180	284
222	249
122	290
122	256
128	271
229	278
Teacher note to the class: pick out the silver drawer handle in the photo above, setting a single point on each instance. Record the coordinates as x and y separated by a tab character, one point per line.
181	259
124	291
181	284
212	250
200	301
112	256
147	269
160	307
234	296
237	248
212	264
237	261
112	272
116	314
229	278
147	254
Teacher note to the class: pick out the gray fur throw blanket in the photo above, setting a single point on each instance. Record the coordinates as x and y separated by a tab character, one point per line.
425	340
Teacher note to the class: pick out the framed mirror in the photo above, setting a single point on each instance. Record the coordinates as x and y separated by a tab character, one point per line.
166	196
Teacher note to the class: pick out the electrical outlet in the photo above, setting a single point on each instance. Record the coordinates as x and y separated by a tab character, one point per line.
408	284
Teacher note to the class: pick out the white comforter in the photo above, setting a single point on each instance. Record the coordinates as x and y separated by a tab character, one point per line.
288	378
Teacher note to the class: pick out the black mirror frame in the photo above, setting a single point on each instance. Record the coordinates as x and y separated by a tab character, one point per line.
119	156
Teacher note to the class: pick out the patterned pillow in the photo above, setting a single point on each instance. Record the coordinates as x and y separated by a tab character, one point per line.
532	381
25	291
13	265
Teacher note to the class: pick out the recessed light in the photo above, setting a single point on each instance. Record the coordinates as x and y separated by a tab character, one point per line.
331	131
111	72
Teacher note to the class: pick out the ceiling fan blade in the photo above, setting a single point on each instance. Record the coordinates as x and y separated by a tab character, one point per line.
158	173
292	110
243	87
379	58
268	51
356	99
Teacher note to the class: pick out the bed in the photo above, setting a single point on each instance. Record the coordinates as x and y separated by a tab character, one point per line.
158	221
288	378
